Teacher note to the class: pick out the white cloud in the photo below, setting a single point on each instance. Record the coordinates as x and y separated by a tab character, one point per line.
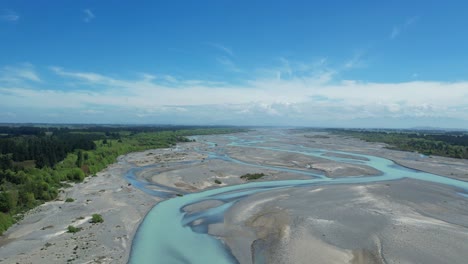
288	69
19	73
88	15
9	16
222	48
84	76
356	61
308	94
146	81
228	64
396	30
225	60
297	89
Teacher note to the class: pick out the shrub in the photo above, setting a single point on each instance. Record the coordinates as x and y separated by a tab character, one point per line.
96	218
252	176
217	181
5	222
76	175
72	229
69	200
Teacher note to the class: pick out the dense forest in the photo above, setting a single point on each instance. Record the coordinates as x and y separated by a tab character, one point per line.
447	144
36	162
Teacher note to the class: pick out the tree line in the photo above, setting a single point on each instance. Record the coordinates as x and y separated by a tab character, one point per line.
45	150
446	144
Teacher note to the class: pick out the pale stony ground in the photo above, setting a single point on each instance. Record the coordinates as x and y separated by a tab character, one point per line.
41	236
318	165
183	152
449	167
403	221
204	175
203	172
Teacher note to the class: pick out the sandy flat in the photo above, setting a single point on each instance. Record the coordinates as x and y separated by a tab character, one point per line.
405	221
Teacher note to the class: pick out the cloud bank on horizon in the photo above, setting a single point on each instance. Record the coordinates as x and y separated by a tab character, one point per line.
224	82
282	98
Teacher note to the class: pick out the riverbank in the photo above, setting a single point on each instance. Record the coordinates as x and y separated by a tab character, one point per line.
42	237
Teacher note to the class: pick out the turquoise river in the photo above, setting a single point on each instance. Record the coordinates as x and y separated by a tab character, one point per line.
168	234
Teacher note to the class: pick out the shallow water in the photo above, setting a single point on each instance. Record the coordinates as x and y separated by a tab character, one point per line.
170	235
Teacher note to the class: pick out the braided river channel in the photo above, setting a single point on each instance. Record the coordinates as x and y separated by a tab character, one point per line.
169	234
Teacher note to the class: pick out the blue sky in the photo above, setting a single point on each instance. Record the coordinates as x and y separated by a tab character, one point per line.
335	63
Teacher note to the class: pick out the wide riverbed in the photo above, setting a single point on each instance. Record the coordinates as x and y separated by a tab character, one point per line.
172	234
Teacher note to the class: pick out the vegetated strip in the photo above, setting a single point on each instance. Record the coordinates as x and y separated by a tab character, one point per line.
453	144
252	176
35	162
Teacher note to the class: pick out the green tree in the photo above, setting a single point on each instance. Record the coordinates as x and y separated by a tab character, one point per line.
5	221
27	199
8	201
79	160
6	162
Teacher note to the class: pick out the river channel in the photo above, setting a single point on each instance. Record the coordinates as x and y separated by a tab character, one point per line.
169	234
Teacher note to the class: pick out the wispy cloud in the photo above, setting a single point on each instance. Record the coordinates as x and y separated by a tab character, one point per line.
286	69
88	15
228	64
306	94
221	47
9	15
84	76
398	29
227	59
19	73
145	80
395	32
356	61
